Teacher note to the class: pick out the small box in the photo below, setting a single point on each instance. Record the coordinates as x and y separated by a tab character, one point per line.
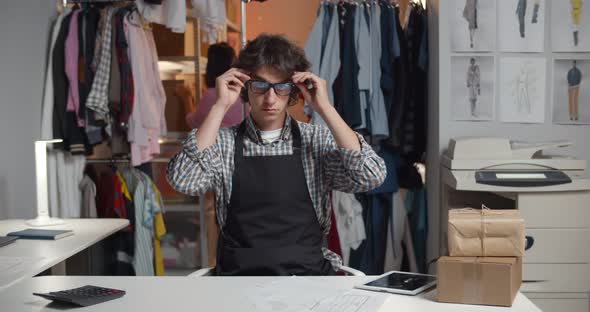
486	233
479	280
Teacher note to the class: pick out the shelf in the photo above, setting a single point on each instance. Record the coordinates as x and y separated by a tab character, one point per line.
232	27
181	64
176	58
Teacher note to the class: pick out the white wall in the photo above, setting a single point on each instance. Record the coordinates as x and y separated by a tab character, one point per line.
443	127
24	28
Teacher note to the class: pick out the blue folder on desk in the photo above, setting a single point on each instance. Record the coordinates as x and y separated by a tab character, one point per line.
41	234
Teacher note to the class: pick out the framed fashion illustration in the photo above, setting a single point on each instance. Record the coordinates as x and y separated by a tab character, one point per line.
522	89
570	29
571	91
522	25
472	87
473	25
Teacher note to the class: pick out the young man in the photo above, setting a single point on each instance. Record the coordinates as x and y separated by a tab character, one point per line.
271	175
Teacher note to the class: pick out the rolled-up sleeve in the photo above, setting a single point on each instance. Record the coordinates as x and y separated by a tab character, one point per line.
353	171
192	171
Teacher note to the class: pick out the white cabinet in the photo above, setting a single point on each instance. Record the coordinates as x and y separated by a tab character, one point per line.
556	270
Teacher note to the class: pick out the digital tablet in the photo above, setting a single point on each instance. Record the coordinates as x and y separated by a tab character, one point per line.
404	283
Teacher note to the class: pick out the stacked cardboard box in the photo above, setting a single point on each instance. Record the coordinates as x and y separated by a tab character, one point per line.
484	265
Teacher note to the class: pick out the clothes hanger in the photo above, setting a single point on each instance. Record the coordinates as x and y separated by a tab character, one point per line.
141	22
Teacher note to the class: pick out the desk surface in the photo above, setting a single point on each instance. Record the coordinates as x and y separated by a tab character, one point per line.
206	294
40	255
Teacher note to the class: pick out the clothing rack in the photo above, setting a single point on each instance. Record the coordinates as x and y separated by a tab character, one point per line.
93	1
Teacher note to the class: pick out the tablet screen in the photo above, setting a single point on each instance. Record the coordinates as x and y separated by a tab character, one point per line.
402	281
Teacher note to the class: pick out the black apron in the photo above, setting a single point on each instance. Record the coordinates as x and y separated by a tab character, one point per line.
271	226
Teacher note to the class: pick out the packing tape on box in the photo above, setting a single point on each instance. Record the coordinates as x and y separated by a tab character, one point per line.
472	275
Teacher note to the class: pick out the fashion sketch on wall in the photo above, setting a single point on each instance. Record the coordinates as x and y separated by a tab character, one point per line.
571	91
473	25
522	90
522	26
472	87
570	25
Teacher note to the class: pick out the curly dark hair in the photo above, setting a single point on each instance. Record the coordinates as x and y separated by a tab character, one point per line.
220	57
276	51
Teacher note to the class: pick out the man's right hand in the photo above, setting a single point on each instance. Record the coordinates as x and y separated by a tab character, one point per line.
228	86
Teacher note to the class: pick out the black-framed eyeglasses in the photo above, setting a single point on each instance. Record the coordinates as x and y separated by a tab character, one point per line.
261	87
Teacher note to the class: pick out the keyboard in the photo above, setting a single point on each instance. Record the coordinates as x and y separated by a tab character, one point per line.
83	296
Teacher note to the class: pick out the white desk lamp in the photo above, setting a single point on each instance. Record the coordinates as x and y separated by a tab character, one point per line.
43	218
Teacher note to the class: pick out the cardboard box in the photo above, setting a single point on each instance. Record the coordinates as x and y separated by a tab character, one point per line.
486	233
479	280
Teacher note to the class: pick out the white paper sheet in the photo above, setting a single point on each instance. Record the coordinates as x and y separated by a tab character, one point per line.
355	300
298	294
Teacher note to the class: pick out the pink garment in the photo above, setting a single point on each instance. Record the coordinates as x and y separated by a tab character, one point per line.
71	60
232	117
147	121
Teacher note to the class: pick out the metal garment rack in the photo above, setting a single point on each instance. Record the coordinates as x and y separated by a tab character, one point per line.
121	161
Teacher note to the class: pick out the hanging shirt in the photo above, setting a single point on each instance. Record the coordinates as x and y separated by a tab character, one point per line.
60	85
415	204
159	231
88	190
313	52
125	72
330	55
325	58
408	118
144	208
347	97
377	111
212	15
98	99
48	91
147	122
170	13
327	167
362	41
71	65
349	221
67	124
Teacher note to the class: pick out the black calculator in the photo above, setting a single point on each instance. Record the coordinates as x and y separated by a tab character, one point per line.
83	296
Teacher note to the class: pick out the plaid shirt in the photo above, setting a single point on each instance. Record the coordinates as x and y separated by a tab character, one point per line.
126	76
98	99
327	167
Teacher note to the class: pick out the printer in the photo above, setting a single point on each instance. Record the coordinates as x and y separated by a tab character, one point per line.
551	191
498	164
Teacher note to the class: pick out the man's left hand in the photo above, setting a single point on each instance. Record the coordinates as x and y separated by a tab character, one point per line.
317	96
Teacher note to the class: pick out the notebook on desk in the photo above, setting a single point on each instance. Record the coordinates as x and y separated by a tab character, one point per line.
41	234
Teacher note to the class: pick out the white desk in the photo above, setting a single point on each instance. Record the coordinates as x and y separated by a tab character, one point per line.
205	294
44	254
